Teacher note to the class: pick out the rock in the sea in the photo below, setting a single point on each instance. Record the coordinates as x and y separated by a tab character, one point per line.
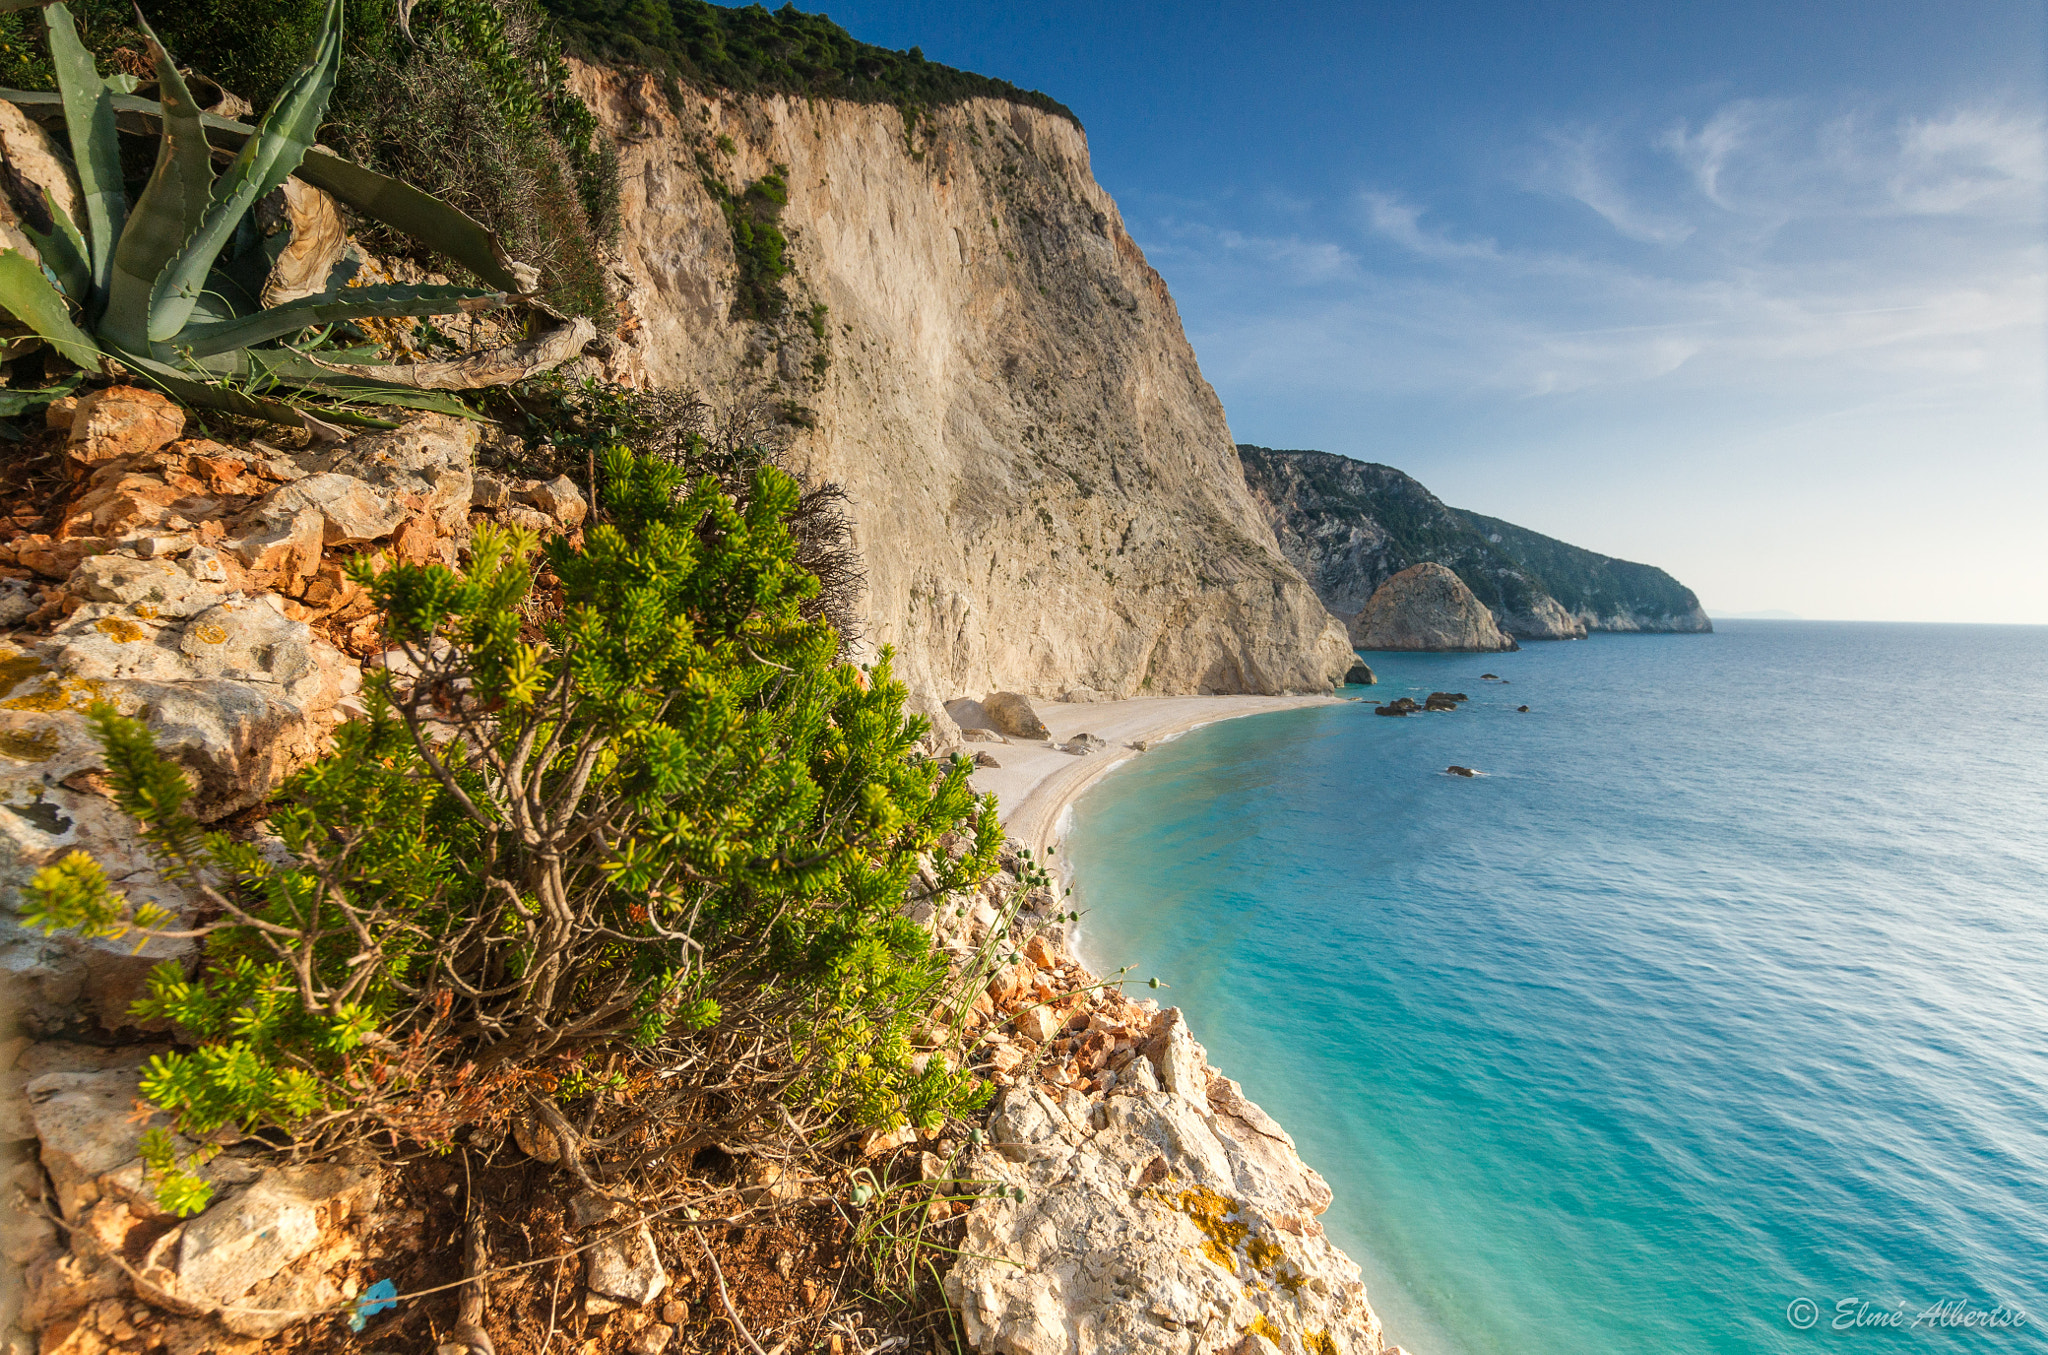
1522	709
1400	705
1426	607
1444	700
1360	675
1455	770
1011	713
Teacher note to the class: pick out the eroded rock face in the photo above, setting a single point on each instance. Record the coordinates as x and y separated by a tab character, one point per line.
1152	1222
1426	607
1044	488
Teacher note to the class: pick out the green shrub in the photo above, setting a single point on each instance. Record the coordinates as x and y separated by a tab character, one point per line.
760	249
672	834
477	110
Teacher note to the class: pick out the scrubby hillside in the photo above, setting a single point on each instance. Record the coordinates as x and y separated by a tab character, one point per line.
1349	526
1600	592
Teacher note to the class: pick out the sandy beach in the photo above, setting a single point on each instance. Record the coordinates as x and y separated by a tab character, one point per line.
1035	781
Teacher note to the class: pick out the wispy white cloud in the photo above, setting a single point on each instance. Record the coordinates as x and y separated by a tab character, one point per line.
1401	222
1578	167
1840	312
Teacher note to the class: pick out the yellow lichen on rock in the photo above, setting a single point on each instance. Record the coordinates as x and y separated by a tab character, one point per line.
28	745
121	630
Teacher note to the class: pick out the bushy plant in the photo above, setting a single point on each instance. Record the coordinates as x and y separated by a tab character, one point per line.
670	833
476	109
760	249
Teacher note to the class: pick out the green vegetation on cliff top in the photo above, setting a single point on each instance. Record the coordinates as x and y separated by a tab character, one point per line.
1585	581
781	51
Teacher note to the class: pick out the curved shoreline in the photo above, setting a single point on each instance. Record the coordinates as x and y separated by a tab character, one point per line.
1036	783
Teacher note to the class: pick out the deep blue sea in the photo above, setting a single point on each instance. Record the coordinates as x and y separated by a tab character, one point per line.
1724	991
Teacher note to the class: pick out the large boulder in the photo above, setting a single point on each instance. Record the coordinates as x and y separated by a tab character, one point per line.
1426	607
1011	713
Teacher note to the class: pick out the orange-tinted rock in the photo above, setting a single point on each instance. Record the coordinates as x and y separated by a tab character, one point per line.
122	421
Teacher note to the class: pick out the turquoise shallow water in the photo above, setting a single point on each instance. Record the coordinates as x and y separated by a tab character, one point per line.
1725	988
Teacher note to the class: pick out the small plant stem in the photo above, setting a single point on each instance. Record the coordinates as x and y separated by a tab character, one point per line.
731	1312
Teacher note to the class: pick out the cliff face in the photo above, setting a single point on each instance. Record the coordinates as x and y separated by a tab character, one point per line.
1044	488
1349	526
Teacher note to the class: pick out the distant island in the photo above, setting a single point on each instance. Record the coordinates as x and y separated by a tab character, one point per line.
1350	526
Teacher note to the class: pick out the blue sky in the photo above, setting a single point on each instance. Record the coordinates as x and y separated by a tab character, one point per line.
1758	293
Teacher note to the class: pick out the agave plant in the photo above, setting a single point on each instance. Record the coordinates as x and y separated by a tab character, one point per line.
170	286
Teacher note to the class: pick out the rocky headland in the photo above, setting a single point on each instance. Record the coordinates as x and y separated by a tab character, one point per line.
1350	526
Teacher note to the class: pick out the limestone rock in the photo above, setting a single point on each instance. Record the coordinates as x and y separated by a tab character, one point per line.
587	1208
1148	1226
426	465
1360	675
122	421
86	1127
1082	695
1039	1024
350	510
1179	1059
1426	607
560	499
624	1266
1011	713
241	1258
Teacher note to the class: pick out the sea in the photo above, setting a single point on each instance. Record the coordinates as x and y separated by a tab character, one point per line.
1712	1016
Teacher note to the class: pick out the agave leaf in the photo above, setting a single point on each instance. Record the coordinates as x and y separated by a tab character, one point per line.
64	251
201	394
421	215
95	148
290	368
349	304
266	160
392	201
168	212
29	296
